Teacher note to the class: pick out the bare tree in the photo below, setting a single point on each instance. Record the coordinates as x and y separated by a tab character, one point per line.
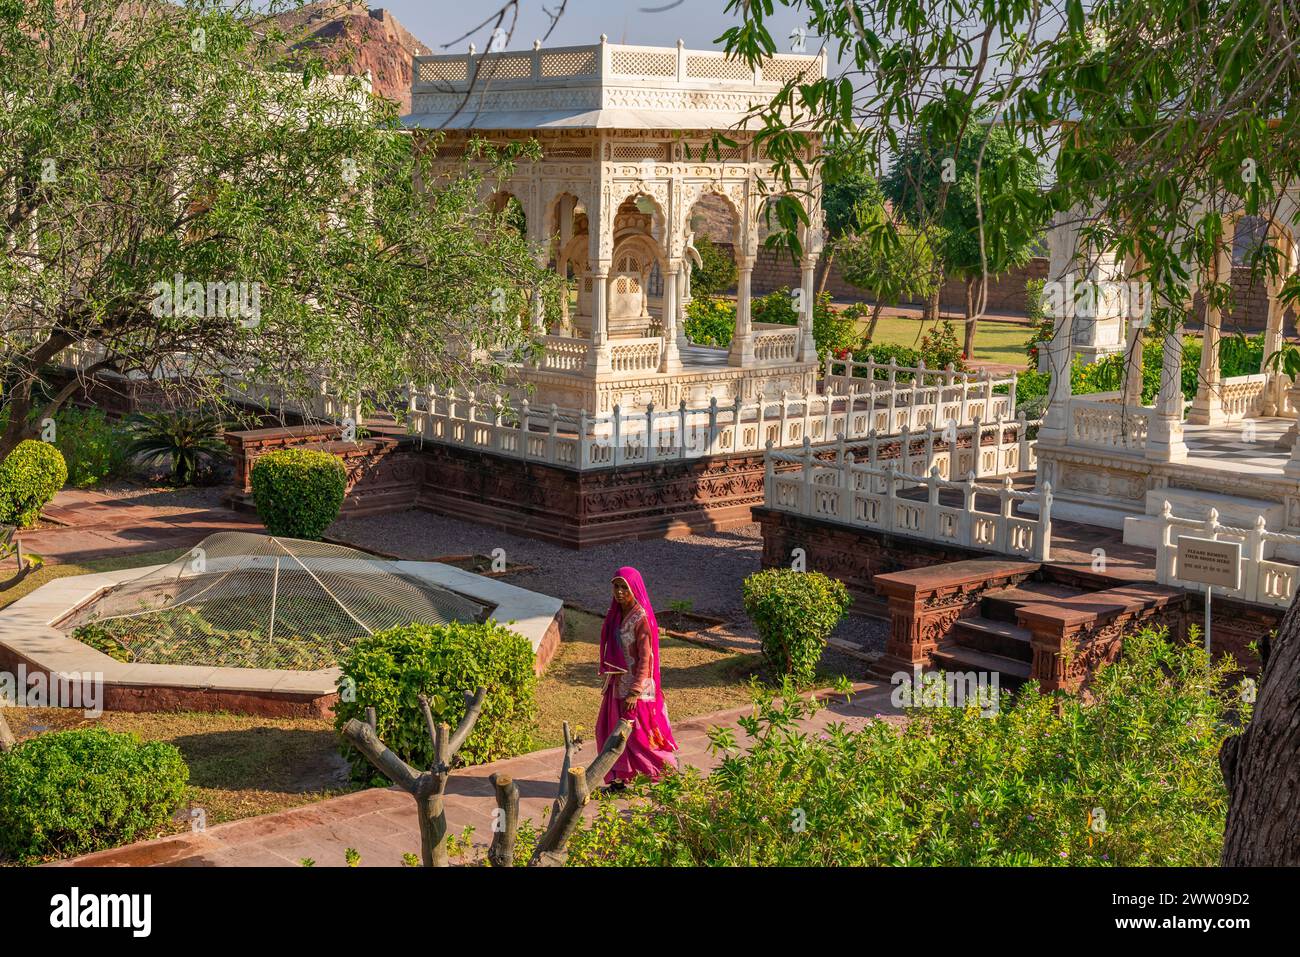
428	788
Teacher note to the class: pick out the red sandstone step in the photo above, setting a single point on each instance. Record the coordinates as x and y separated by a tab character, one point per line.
950	656
993	637
1001	605
1108	603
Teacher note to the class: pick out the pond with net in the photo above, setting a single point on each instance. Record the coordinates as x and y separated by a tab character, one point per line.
242	600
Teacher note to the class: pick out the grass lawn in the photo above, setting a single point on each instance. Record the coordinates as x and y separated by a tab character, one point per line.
994	341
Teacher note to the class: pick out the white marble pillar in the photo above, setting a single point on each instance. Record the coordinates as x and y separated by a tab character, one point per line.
1207	407
1133	352
1278	383
670	359
742	340
1060	352
1165	434
807	344
598	354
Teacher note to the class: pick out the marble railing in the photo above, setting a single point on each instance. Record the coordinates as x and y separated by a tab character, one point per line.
848	493
1263	581
649	434
1107	424
1241	395
630	356
776	345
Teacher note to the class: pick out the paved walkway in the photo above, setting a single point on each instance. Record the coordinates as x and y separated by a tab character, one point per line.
380	823
94	524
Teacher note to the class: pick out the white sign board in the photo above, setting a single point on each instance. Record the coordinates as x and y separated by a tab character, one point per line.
1209	562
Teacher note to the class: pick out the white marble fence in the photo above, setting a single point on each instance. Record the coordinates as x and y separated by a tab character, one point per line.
1264	580
578	439
844	491
946	386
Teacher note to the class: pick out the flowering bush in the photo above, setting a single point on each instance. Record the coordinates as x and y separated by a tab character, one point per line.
710	321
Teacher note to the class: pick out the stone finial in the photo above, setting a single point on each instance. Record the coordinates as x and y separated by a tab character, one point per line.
537	44
472	48
680	43
604	38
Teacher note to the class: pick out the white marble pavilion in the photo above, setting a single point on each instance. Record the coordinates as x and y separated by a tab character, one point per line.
1114	462
613	204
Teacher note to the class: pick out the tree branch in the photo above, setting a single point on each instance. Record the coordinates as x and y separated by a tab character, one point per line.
550	851
502	851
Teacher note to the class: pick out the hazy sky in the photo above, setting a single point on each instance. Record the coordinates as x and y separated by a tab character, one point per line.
698	22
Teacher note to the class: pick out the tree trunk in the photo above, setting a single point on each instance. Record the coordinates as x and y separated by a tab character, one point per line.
972	317
932	303
7	740
826	270
19	389
1261	767
875	318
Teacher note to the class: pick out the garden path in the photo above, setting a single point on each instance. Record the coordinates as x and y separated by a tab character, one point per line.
82	525
380	823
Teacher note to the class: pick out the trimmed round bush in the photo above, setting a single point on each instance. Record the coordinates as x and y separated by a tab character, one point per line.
30	476
388	671
73	792
298	492
794	613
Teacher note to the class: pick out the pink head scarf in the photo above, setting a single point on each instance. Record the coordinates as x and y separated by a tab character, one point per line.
611	650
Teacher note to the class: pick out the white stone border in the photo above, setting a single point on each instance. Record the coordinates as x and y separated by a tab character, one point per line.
27	630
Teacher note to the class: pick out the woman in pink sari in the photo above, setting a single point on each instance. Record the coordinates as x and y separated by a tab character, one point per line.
629	660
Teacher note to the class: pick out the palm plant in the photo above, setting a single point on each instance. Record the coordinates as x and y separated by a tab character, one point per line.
187	438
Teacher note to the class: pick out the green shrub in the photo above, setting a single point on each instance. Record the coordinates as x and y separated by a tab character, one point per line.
1031	393
93	446
298	492
956	787
794	613
391	669
73	792
717	271
882	353
941	348
710	321
832	333
30	476
187	440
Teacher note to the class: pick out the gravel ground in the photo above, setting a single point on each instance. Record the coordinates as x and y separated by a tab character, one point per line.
705	569
164	497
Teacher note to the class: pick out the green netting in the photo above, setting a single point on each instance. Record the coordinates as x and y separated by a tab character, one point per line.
257	601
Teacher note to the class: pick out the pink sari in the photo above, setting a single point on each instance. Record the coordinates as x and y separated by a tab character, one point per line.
651	745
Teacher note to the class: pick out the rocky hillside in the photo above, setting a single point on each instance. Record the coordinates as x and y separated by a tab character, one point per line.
355	38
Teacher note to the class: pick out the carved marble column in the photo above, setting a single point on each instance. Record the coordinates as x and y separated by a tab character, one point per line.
742	340
1207	408
1133	353
1165	435
671	360
807	344
598	355
1060	353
